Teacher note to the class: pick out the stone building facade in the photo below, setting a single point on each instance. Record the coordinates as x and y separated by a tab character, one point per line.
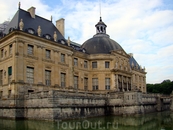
45	76
35	56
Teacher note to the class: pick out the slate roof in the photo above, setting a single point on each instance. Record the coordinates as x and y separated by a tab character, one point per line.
47	26
134	63
100	45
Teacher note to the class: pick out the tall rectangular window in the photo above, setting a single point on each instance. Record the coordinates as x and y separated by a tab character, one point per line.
85	83
1	77
1	94
107	83
30	49
76	82
63	79
63	58
47	77
107	64
2	53
9	74
10	49
85	64
94	64
9	93
95	83
75	62
47	54
30	74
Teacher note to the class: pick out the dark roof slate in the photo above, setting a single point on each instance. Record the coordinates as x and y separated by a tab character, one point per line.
134	62
100	45
47	27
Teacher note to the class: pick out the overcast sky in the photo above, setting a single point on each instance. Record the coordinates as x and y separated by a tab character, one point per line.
141	27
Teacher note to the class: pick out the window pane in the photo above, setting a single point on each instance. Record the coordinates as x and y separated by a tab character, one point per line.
47	77
75	82
63	58
75	62
85	83
10	70
63	79
85	64
107	83
30	49
106	64
47	53
94	64
30	74
95	83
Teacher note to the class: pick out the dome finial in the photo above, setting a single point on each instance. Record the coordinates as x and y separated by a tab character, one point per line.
19	5
100	19
100	27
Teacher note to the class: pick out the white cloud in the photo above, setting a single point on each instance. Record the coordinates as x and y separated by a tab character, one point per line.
143	27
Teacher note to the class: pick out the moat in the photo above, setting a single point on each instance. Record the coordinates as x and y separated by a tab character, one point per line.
152	121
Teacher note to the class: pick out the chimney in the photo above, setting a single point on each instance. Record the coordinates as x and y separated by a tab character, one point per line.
131	54
32	11
60	25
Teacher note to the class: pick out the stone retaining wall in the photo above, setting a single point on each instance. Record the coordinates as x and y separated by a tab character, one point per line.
57	105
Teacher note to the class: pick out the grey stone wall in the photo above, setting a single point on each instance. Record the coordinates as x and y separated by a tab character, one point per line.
61	104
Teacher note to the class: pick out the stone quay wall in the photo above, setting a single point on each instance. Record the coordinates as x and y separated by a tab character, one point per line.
66	104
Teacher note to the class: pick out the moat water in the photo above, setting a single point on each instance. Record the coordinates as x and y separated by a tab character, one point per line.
152	121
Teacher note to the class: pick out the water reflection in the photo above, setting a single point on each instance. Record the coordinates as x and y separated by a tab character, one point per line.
155	121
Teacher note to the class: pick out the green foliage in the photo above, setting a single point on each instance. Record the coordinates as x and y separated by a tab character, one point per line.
166	87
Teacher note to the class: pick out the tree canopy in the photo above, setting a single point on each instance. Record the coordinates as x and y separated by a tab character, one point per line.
166	87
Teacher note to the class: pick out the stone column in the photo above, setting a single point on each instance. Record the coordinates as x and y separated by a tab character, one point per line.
117	82
127	84
131	84
122	83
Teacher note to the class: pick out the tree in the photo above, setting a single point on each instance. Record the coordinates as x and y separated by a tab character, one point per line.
166	87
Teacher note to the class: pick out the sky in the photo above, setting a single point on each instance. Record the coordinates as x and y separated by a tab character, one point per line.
141	27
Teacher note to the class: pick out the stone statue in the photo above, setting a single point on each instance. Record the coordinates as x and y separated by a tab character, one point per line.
39	31
68	41
21	24
55	36
116	65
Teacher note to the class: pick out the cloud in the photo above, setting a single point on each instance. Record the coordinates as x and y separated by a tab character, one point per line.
143	27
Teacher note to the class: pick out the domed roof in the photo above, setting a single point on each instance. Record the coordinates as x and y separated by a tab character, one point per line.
100	43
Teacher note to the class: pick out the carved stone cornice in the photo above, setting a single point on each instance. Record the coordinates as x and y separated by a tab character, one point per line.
56	51
76	73
30	56
121	71
39	46
63	64
6	58
48	60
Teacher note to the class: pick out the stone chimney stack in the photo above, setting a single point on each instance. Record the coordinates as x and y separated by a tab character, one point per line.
131	54
32	11
60	25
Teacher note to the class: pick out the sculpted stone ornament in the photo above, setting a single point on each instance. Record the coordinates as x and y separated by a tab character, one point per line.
39	31
68	41
21	24
55	36
116	65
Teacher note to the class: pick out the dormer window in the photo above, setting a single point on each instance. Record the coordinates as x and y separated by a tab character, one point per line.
47	36
11	29
31	31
